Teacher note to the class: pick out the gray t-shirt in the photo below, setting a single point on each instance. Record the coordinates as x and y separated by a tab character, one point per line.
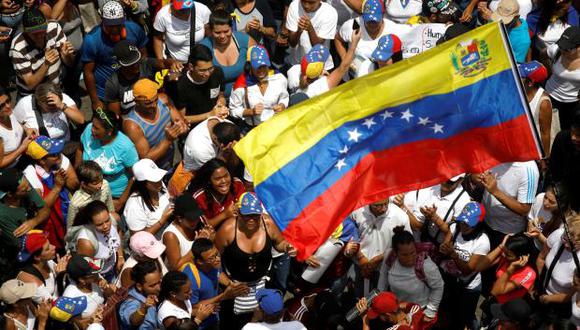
261	12
119	89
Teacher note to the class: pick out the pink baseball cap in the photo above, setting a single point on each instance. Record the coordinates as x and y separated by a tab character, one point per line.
145	244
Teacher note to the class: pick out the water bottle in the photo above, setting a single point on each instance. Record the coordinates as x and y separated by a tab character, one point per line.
354	313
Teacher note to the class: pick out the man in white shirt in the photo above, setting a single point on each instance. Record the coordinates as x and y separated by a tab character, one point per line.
510	190
310	22
375	224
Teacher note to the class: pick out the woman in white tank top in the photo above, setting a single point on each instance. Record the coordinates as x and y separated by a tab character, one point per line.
545	117
180	234
11	133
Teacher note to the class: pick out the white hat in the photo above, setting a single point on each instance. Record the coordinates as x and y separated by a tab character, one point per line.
506	11
146	170
457	177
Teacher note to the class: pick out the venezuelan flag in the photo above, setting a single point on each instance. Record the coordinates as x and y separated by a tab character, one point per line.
456	108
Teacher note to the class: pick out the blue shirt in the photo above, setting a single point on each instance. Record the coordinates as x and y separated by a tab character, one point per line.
207	289
99	49
520	41
130	306
114	158
232	72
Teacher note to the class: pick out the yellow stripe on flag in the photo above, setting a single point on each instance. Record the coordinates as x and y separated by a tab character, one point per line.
275	143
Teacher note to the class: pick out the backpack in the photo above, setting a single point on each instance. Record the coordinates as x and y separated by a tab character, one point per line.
424	250
71	237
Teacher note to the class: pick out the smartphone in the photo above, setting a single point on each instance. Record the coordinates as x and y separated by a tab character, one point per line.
6	33
355	25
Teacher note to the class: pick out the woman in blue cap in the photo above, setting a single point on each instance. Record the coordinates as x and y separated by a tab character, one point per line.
467	251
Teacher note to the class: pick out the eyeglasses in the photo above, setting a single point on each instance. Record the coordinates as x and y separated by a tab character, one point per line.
214	257
104	117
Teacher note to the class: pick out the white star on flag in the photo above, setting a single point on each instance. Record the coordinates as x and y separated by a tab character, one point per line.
354	135
344	150
407	115
340	164
437	128
424	121
369	122
386	114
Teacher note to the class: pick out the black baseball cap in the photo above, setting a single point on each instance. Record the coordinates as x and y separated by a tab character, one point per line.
9	180
186	206
516	310
570	39
126	54
80	266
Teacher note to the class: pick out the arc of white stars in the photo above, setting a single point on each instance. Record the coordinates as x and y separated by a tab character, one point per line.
344	150
386	114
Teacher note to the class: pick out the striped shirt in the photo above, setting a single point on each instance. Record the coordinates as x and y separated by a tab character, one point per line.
155	132
28	59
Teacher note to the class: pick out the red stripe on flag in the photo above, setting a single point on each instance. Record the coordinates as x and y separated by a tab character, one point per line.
406	168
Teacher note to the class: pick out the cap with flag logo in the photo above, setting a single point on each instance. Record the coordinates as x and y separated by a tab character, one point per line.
33	241
472	214
312	63
43	146
388	45
258	57
534	70
80	266
65	308
182	4
372	11
249	204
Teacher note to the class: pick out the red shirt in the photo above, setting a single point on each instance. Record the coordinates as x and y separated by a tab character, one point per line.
213	209
523	277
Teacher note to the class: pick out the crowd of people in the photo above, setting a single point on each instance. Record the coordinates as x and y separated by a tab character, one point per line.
124	206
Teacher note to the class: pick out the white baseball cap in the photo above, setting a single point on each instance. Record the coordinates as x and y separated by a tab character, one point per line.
146	170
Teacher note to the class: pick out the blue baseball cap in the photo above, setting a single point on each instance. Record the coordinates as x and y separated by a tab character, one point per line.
249	204
258	57
472	214
372	11
66	308
43	146
270	301
388	45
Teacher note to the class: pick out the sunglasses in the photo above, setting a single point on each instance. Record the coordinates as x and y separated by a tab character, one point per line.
104	117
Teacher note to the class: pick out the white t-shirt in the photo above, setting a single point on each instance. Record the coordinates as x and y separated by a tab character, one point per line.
56	122
168	309
106	253
376	232
552	34
401	10
432	196
324	20
289	325
563	273
12	138
465	249
184	243
563	85
94	299
199	147
177	30
138	216
366	46
518	180
276	93
31	173
317	87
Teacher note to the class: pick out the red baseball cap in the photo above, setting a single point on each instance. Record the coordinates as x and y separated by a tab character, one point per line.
385	302
33	241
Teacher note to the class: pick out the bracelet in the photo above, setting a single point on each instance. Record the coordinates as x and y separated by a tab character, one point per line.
64	106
